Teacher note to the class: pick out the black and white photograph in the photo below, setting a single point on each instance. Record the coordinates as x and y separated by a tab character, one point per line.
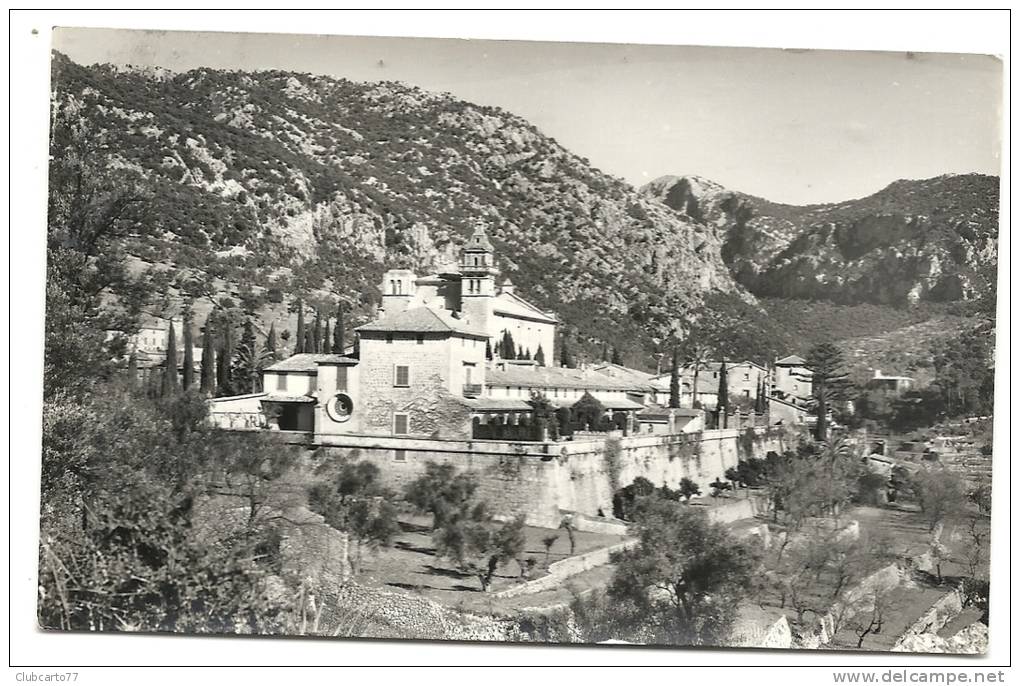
524	342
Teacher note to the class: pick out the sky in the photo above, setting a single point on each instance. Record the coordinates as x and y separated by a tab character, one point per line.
794	126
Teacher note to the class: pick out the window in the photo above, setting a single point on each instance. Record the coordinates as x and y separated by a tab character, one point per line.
400	424
747	394
747	377
389	338
281	381
401	375
341	378
400	456
794	386
420	338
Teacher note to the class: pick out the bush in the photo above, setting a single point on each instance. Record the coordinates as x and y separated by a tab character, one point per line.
871	489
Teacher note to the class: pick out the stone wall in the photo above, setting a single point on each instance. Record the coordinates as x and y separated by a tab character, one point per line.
562	570
543	480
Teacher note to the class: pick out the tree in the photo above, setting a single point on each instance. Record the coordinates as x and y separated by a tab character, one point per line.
93	205
567	524
723	395
883	603
137	566
132	369
545	416
687	575
488	350
477	544
248	363
507	347
617	357
829	384
540	356
171	383
588	412
548	542
208	375
189	353
354	500
566	356
310	338
674	379
316	346
688	489
941	494
338	331
271	341
441	492
327	337
224	383
299	339
964	374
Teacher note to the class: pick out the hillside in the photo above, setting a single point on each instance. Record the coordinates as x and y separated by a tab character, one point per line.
271	185
932	240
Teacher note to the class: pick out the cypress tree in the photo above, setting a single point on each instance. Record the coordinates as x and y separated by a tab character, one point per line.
540	356
244	371
723	394
488	350
170	383
527	354
317	334
327	337
338	330
617	357
605	352
208	379
299	340
309	346
674	379
189	353
132	369
357	346
520	353
566	357
226	354
271	340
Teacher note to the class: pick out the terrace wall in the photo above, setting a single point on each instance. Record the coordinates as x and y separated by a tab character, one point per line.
543	480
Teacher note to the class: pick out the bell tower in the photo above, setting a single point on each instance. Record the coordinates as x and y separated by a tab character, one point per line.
477	280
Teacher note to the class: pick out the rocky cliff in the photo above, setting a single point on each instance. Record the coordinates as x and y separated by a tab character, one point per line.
929	240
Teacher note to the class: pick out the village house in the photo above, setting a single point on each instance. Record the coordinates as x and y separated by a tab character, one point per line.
890	385
792	379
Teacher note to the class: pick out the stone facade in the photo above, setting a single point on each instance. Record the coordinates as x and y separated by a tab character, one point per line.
427	396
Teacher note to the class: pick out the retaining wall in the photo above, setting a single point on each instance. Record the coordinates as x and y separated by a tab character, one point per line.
539	480
564	569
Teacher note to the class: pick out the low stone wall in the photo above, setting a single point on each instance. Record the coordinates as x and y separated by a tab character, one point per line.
938	615
560	571
776	635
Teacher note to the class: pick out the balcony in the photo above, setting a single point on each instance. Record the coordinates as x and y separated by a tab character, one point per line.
472	390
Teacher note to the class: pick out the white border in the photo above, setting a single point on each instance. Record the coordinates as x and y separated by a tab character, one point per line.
899	30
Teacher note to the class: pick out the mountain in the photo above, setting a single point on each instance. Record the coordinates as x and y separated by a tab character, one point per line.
931	240
277	184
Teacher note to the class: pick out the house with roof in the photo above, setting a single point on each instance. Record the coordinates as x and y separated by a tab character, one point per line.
890	384
706	395
791	379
